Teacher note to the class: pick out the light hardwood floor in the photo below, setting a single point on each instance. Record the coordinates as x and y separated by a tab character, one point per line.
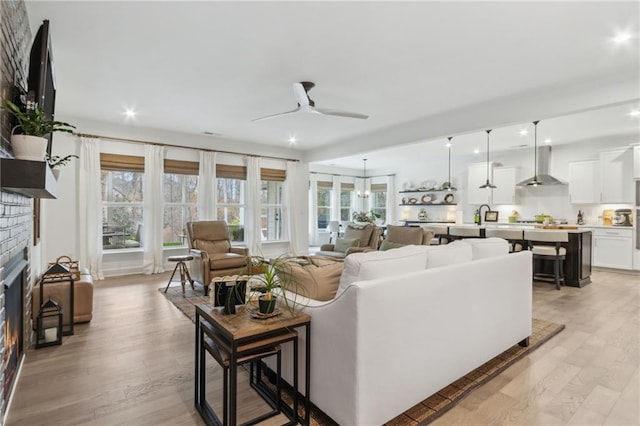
133	364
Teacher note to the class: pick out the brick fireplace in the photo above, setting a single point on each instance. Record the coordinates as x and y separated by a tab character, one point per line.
16	211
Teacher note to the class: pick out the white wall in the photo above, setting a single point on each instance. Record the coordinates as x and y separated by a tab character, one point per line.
59	235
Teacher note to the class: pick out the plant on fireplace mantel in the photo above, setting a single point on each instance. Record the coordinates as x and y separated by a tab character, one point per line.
56	162
31	144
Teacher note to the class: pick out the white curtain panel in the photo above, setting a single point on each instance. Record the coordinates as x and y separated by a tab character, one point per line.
335	199
253	226
90	207
153	215
291	214
207	186
391	197
313	208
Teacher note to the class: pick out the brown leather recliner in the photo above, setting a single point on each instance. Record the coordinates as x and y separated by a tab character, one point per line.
213	254
367	236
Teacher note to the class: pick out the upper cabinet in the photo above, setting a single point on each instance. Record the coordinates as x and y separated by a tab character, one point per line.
616	176
505	179
477	175
584	182
636	161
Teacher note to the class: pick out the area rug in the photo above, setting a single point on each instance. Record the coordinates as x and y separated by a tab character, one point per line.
435	405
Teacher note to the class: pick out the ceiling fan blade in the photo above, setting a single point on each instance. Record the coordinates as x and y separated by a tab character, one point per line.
293	111
339	113
301	94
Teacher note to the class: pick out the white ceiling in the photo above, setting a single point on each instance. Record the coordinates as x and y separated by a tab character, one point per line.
192	67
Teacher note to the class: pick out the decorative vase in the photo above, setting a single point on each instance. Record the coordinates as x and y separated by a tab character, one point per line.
266	306
27	147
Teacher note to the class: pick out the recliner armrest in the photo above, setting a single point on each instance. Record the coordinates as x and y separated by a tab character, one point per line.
327	247
239	250
202	255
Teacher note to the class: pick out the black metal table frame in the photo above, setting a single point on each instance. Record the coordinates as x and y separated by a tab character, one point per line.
205	410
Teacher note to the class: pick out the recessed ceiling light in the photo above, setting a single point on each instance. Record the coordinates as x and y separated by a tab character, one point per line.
547	141
476	151
524	132
130	113
622	37
634	113
292	140
448	144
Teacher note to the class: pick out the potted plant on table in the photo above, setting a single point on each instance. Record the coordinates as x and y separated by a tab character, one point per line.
273	277
31	144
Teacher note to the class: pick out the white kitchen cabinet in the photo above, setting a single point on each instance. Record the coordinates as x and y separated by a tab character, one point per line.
584	182
505	179
613	248
477	175
616	176
636	161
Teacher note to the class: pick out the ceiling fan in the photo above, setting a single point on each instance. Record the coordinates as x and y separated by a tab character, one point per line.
306	104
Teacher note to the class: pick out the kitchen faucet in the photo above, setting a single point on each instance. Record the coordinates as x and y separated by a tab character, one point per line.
480	212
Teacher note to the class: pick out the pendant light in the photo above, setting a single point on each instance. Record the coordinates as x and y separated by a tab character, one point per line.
449	183
487	184
366	193
535	181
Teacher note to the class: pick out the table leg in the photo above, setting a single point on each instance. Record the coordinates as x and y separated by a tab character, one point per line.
233	384
295	379
196	377
307	374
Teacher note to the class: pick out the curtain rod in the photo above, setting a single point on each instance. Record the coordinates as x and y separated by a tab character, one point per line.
88	135
360	177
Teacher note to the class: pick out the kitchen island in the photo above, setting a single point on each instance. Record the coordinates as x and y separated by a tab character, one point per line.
577	263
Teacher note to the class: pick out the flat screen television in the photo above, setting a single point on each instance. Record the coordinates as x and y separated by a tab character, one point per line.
41	81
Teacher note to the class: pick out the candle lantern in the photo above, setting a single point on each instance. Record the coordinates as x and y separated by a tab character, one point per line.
57	284
49	325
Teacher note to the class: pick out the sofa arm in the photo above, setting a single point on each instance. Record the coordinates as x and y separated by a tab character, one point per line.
239	250
200	267
327	247
352	250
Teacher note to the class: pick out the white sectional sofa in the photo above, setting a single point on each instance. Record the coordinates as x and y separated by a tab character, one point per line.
408	322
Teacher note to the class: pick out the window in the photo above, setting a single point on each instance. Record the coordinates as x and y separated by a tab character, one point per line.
379	200
121	209
231	206
180	206
324	203
346	200
271	210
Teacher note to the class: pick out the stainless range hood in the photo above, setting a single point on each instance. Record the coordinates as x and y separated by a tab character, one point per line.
542	176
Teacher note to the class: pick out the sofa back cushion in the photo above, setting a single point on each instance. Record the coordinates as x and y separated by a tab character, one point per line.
487	247
219	246
448	254
380	264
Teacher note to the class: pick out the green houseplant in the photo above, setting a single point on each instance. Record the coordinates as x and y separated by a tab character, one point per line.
274	277
56	162
31	144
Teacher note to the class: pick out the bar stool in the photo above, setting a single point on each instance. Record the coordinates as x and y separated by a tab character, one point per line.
182	267
515	237
440	234
252	352
550	249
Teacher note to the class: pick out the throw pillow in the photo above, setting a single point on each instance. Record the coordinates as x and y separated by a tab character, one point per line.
342	244
388	245
317	279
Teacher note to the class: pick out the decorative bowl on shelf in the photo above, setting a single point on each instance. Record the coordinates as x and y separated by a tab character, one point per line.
449	198
413	200
427	198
